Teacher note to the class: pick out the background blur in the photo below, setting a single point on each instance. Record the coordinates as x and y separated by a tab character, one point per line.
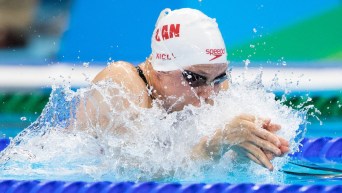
46	31
74	39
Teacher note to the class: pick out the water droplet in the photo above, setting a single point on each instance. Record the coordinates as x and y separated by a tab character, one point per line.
247	62
86	64
254	30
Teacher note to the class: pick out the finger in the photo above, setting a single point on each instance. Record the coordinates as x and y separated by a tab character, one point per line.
262	122
269	155
249	155
266	145
266	123
247	117
257	153
283	141
273	127
284	149
253	158
262	133
268	136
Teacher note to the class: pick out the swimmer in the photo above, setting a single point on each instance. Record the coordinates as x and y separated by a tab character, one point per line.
188	64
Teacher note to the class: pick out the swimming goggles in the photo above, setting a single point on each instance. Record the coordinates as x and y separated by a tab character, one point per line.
196	80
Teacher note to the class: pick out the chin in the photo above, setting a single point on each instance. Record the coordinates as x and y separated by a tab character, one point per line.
209	101
176	108
196	103
180	106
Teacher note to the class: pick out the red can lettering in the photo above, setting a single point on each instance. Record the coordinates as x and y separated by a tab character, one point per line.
168	32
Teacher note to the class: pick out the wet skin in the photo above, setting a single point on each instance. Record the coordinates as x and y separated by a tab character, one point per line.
176	92
244	133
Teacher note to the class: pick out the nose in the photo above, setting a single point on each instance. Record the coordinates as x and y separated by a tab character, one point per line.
205	91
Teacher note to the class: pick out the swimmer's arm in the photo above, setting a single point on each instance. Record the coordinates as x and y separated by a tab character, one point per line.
92	111
125	74
209	147
96	110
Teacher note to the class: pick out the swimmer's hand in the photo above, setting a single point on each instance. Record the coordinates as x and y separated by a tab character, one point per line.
247	135
274	128
255	138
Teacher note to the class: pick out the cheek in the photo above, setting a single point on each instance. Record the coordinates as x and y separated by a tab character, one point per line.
176	92
171	90
224	85
217	88
190	97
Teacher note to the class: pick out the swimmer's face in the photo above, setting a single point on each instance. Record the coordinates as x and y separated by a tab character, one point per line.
180	88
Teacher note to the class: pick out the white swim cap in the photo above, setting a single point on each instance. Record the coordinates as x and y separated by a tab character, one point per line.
185	37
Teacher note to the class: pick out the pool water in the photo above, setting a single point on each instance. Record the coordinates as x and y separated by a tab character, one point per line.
11	125
299	170
296	171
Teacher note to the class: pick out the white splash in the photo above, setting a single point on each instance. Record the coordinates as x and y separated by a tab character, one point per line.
141	144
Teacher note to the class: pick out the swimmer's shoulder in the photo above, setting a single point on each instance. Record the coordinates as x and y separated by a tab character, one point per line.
125	74
116	71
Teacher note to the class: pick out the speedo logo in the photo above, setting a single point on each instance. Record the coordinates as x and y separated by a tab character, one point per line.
215	52
167	32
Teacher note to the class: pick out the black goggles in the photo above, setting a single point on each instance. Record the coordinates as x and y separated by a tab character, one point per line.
196	80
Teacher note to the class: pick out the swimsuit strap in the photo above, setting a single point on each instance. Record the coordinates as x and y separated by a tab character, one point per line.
141	74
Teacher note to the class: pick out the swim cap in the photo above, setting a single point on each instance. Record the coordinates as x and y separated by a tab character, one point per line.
185	37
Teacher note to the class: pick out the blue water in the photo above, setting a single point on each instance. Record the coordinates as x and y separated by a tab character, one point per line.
296	171
12	124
